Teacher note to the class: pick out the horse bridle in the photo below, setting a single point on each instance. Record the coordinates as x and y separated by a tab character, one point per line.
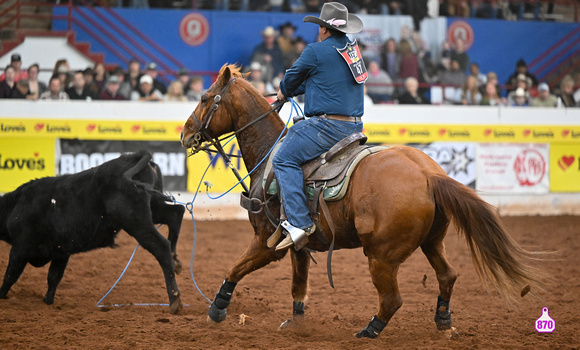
202	135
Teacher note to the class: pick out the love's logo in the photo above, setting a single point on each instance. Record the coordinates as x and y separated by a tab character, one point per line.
565	162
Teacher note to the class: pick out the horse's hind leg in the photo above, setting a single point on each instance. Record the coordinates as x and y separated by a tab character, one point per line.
300	266
384	275
434	250
256	256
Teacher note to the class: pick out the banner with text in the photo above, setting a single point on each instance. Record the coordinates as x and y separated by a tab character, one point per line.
457	159
22	161
79	155
92	129
424	133
512	168
564	168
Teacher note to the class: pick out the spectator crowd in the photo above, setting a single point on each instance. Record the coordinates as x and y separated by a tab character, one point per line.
404	72
97	83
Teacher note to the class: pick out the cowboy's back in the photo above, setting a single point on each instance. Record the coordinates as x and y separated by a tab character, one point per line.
323	76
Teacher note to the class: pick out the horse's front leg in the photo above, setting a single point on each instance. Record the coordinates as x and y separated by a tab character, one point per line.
300	266
256	256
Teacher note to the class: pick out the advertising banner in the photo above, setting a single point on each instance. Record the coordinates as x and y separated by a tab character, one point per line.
79	155
564	168
423	133
91	129
211	172
22	160
457	159
512	168
160	130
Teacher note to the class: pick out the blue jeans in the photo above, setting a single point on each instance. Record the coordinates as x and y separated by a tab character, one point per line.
305	141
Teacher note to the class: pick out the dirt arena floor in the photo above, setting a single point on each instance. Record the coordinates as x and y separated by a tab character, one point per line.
483	320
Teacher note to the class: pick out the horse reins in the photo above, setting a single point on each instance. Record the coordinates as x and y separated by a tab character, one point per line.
202	134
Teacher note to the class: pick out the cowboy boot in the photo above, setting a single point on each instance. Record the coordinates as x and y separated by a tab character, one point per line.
295	236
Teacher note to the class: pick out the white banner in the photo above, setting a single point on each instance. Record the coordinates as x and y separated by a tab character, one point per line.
513	168
457	159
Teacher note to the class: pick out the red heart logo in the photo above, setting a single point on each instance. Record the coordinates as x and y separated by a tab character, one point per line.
91	127
136	128
402	131
39	126
36	154
527	132
565	162
565	132
487	132
442	131
179	128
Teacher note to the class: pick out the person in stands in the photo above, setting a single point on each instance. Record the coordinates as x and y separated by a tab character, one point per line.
8	83
147	91
112	90
544	98
16	63
78	89
54	91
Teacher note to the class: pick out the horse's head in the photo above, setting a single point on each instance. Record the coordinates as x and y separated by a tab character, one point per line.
209	120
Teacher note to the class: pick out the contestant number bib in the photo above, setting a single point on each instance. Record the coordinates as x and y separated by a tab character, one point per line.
353	58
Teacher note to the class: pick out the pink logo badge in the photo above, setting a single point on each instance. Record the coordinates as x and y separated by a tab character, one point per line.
545	324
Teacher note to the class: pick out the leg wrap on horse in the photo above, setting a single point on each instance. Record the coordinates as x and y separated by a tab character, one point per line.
442	314
217	310
298	308
373	329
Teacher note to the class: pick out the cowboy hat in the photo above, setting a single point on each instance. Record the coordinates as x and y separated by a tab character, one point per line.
269	31
335	16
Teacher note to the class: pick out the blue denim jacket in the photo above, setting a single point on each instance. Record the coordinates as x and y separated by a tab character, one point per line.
326	80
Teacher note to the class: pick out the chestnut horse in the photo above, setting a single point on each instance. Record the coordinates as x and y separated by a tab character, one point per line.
398	200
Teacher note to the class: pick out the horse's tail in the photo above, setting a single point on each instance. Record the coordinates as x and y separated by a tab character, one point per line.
498	259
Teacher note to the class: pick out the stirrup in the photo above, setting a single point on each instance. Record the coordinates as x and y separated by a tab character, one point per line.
275	237
296	236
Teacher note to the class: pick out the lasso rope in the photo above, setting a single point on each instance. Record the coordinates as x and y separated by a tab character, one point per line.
189	206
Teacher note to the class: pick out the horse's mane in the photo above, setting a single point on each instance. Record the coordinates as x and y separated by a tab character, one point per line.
234	69
236	73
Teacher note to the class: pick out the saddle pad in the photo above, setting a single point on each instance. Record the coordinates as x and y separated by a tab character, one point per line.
331	193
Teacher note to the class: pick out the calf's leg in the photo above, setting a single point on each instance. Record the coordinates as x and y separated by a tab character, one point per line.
160	248
172	216
55	273
16	264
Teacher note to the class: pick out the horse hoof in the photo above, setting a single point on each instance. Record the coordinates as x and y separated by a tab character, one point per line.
366	334
443	322
48	301
176	306
216	314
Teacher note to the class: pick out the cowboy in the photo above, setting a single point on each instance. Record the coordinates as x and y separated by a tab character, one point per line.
331	74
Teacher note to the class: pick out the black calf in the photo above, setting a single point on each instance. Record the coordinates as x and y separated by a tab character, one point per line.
48	219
